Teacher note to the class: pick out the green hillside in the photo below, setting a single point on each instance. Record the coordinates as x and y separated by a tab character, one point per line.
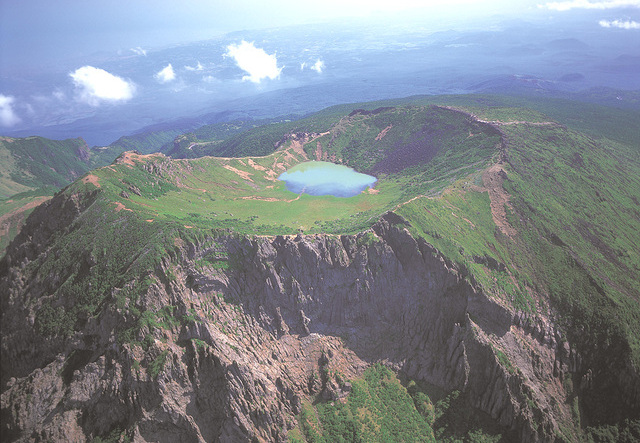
145	143
32	169
208	139
34	162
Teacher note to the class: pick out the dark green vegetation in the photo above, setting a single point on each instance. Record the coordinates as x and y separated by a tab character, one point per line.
210	139
381	408
116	257
427	149
537	201
15	210
583	239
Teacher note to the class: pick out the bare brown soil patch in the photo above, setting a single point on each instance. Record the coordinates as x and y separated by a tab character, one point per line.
298	146
244	174
93	179
256	166
129	158
120	207
318	152
493	178
32	204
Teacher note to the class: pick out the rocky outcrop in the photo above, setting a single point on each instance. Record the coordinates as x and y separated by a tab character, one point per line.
264	322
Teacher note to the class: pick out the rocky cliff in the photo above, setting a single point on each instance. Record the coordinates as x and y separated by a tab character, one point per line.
230	333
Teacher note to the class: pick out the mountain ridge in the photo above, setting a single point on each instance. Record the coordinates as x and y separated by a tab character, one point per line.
486	270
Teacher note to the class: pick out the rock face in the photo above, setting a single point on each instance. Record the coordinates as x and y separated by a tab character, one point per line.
269	321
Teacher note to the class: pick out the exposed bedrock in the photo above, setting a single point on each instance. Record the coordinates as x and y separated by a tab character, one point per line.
395	298
264	330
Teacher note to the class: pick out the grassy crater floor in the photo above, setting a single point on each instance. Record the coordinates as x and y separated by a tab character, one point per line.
245	194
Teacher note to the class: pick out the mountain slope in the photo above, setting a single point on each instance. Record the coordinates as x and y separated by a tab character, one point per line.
34	162
159	298
31	170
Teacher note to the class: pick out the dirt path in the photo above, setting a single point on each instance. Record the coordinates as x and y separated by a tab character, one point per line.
129	157
120	207
399	205
493	178
382	133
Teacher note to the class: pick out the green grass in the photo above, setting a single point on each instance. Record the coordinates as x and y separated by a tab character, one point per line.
460	225
566	214
208	139
575	206
554	177
202	193
243	194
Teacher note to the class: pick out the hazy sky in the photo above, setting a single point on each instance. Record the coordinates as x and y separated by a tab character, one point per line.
41	27
62	60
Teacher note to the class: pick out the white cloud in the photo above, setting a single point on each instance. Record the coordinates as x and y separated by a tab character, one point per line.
139	51
303	65
619	24
254	61
166	74
7	115
198	67
585	4
95	85
318	66
209	79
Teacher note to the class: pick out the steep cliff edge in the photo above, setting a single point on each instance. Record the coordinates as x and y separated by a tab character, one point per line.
229	333
141	303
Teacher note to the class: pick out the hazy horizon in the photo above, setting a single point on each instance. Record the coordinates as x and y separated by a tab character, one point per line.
73	68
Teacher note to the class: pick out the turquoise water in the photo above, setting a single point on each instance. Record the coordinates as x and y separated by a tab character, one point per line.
324	178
